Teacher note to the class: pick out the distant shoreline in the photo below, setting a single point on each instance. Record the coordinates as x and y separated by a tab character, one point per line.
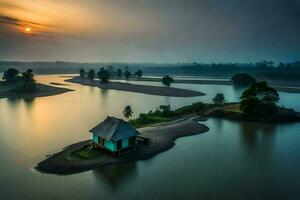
144	89
42	91
281	86
162	138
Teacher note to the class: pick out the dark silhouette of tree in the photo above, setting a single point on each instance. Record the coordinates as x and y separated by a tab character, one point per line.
167	80
24	82
28	84
127	74
82	73
103	75
259	100
28	76
242	79
138	73
219	99
165	110
119	73
10	75
127	112
91	74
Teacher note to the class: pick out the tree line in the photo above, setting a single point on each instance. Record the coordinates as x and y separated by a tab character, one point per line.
104	74
23	82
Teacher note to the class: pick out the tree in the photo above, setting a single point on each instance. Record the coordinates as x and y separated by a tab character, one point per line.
82	73
259	100
26	83
91	74
119	73
103	75
127	74
166	110
219	99
242	79
28	76
138	73
167	80
127	112
10	75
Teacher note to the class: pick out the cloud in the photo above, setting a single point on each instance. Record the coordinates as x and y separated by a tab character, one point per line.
158	30
19	22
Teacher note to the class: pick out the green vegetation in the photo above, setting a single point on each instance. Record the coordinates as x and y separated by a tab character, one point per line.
243	79
259	100
138	73
82	73
127	112
167	80
165	114
23	82
91	74
127	74
219	99
119	73
86	152
145	119
10	75
103	75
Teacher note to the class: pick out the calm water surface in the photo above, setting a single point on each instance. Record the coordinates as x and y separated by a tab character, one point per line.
231	161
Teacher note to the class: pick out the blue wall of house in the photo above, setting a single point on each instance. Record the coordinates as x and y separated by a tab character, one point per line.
125	143
95	138
110	145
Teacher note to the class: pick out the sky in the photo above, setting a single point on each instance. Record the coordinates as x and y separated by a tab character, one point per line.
165	31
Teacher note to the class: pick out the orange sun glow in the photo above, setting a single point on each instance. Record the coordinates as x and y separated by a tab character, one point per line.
27	30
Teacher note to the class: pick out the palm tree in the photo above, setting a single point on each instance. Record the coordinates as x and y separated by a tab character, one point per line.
127	112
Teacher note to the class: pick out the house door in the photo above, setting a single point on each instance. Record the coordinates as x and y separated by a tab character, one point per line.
119	144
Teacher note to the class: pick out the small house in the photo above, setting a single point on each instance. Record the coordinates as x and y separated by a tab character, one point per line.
114	135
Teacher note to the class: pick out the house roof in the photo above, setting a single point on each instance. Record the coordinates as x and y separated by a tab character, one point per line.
114	129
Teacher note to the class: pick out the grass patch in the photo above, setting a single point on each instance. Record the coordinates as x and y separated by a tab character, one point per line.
165	114
86	153
232	108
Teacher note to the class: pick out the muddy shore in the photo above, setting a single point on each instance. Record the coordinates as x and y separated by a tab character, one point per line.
144	89
162	138
42	91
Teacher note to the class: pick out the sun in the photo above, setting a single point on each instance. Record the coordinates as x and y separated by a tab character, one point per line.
27	30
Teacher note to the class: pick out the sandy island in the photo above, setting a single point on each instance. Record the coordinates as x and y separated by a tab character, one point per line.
145	89
42	91
281	86
162	137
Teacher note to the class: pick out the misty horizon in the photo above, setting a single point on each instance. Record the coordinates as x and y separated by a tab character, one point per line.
150	31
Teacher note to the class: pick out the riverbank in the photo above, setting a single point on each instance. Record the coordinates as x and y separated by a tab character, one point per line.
232	112
162	137
144	89
281	86
42	91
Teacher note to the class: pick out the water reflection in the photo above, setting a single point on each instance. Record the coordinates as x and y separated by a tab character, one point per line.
16	102
114	176
256	134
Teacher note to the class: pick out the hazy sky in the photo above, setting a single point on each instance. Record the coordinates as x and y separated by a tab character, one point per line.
150	30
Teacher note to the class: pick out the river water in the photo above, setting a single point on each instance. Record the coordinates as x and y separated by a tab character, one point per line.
231	161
